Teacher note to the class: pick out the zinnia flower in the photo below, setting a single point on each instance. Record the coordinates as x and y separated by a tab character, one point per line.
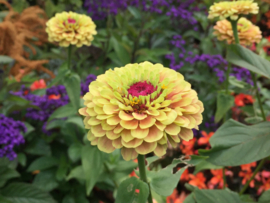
233	9
140	107
71	28
247	32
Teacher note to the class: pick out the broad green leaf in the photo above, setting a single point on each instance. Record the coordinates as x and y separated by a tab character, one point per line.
237	83
216	196
254	120
22	159
73	87
38	147
4	199
233	144
75	152
29	127
92	163
120	51
77	173
62	168
42	163
224	103
6	174
132	190
190	198
5	59
247	199
243	57
265	197
63	111
26	193
204	165
125	166
77	120
46	181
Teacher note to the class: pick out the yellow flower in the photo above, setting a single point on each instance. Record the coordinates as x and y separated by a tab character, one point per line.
128	108
71	28
247	32
233	9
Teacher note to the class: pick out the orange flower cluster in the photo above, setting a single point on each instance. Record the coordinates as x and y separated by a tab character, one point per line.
19	30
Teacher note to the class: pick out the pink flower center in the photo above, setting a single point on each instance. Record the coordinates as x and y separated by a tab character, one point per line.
71	21
141	88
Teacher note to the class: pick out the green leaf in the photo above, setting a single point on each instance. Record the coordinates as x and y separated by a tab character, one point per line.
62	168
127	191
73	87
4	199
60	75
237	83
38	147
243	57
265	198
6	174
22	159
29	127
75	151
63	111
233	144
204	165
190	199
216	196
92	163
120	51
135	12
42	163
254	120
26	193
5	59
224	103
46	181
77	173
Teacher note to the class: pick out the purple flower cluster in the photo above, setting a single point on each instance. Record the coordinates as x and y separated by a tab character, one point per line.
215	62
176	9
54	98
10	136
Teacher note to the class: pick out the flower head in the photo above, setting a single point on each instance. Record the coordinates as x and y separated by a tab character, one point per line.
71	28
243	99
247	32
139	108
204	140
39	84
217	178
233	9
198	180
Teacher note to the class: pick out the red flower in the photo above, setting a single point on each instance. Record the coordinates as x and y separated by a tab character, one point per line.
247	167
265	186
39	84
53	96
243	99
187	147
205	139
198	180
246	176
174	198
185	176
218	178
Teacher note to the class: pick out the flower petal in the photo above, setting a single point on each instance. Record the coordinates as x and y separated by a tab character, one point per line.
128	154
146	148
118	129
186	134
139	116
83	112
113	120
171	116
124	116
98	131
126	135
139	133
133	143
154	134
160	150
133	124
147	122
105	145
117	143
110	109
172	129
111	135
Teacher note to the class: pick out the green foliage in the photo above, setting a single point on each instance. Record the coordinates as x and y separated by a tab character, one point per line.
235	138
132	190
224	103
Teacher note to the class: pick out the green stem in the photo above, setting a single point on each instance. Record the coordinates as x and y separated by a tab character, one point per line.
258	95
69	56
141	163
235	31
224	178
253	175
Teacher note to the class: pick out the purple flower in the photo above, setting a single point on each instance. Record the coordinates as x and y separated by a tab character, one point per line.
10	136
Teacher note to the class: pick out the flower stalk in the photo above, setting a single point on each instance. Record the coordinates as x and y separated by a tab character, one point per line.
141	164
69	56
235	31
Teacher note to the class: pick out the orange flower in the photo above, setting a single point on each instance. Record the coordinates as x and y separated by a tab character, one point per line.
247	167
187	147
265	186
174	198
39	84
55	97
218	177
246	176
205	139
185	176
243	99
198	180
